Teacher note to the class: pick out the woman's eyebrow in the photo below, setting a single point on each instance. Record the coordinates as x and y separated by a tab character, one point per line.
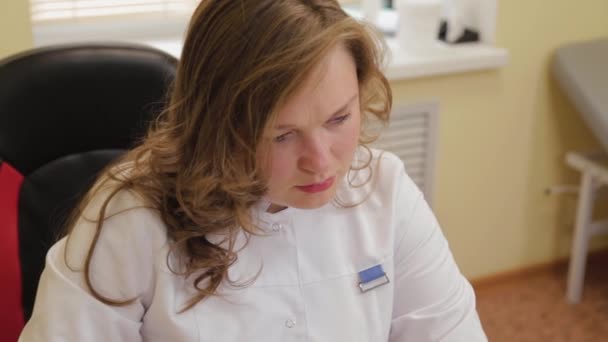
340	110
343	108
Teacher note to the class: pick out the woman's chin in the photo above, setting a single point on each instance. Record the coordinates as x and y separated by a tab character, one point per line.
316	200
301	200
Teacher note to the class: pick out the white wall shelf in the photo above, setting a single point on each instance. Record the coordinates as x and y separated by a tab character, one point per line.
403	64
442	59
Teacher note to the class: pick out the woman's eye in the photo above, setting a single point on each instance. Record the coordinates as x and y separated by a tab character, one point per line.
340	119
282	137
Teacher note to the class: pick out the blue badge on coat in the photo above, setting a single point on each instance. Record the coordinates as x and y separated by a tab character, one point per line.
372	278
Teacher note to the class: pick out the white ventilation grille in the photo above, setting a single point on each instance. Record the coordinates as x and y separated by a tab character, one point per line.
412	135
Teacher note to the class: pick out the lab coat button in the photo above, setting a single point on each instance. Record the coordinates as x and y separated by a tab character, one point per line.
277	227
290	323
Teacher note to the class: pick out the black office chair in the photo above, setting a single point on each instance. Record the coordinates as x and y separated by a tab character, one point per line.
65	113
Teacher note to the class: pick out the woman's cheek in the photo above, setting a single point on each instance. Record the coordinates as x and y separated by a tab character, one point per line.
350	139
281	163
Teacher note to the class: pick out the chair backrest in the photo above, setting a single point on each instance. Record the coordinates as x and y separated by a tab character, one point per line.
65	113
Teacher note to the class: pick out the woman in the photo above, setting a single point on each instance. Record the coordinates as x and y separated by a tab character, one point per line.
252	211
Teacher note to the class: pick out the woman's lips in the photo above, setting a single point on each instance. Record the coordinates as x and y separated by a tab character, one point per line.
317	187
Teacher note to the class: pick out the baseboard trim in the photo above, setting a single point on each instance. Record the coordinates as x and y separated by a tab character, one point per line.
526	271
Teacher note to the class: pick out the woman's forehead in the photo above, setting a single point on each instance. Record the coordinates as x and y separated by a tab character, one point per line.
331	85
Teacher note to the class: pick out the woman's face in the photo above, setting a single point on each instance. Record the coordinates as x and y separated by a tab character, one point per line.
311	144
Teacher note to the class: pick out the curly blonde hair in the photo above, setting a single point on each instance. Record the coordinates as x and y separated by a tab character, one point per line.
196	166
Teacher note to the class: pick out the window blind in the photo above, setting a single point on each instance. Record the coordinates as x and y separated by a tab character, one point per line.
79	10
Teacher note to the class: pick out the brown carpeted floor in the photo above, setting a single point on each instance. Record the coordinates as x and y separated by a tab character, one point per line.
533	308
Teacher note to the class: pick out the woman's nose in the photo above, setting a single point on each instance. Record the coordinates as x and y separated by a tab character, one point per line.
315	156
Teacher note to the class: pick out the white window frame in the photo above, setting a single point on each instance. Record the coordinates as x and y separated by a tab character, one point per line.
129	26
167	33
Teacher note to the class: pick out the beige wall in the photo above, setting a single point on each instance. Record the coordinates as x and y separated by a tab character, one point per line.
15	29
503	137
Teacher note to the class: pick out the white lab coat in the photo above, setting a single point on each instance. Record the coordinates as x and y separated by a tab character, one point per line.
307	288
